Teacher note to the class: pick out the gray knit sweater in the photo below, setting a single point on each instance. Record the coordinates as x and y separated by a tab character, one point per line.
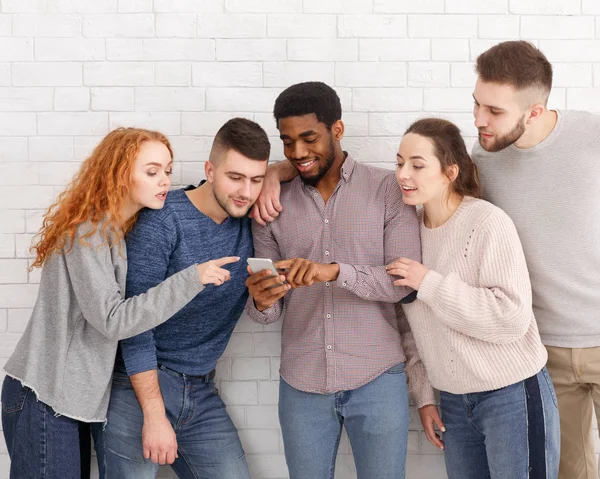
66	354
552	193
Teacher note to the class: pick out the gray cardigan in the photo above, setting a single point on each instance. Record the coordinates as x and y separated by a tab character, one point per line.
67	352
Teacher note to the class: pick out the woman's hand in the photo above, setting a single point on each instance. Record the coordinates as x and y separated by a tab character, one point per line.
212	273
411	272
430	417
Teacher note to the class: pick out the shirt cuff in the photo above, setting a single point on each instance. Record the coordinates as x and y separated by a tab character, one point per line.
256	315
192	279
429	286
424	397
142	363
347	277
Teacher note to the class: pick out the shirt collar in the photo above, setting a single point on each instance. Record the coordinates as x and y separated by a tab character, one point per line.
345	172
347	167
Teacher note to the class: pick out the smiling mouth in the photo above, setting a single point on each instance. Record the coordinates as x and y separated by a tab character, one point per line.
304	165
240	202
408	188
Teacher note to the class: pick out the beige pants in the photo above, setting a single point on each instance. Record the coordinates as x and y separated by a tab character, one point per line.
576	377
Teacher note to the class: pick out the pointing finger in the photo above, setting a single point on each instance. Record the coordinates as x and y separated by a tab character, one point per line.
226	260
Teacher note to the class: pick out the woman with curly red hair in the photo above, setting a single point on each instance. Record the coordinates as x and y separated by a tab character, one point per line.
58	378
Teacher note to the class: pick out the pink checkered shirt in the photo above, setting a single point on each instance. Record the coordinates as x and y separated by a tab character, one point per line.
342	334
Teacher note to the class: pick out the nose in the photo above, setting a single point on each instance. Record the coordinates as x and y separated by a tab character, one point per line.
165	180
480	118
402	173
246	189
300	151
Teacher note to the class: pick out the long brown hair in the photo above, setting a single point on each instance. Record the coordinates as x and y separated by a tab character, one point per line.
97	193
451	150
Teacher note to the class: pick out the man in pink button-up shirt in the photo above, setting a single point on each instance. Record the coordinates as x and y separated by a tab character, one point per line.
343	350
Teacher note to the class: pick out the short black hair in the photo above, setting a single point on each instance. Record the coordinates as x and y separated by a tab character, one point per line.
245	137
306	98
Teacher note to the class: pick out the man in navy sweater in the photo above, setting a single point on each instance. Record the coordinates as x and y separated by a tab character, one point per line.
164	406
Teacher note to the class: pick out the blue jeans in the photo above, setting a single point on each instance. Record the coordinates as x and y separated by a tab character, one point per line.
512	432
376	419
208	442
41	444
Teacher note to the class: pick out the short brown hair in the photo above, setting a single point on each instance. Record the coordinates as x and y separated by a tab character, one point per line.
450	149
516	63
244	136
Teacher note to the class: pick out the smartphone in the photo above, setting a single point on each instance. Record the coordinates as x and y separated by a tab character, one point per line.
260	264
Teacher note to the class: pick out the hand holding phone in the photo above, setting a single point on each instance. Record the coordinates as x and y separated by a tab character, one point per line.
267	288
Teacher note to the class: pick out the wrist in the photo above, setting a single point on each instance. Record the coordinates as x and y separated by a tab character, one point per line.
153	413
272	174
332	271
259	306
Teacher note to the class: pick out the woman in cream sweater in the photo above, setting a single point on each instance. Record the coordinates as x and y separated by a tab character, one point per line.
472	320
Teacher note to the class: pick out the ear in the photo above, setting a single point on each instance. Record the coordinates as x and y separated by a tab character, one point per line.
534	113
452	172
337	130
209	171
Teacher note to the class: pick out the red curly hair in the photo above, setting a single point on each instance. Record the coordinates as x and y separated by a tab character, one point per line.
97	193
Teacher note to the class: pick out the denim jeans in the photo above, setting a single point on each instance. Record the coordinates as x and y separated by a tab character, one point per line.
208	442
512	432
40	443
376	419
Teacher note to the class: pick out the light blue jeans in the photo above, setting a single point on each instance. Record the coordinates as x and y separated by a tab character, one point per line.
208	442
513	432
376	419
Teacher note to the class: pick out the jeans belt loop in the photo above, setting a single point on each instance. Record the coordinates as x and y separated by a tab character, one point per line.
203	377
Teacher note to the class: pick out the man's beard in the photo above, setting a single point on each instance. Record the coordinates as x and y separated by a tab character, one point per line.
506	140
330	158
223	204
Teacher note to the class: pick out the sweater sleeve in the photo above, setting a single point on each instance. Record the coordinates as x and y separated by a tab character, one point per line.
92	276
401	240
419	386
498	308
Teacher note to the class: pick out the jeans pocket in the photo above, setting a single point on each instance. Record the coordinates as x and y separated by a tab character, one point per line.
550	385
399	368
14	395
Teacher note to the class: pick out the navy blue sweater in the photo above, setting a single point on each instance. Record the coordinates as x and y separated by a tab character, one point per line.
164	242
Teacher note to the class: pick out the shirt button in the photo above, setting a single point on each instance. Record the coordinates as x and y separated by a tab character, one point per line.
326	253
326	222
327	284
344	284
328	316
329	346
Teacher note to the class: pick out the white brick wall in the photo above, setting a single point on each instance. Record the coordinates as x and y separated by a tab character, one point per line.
70	70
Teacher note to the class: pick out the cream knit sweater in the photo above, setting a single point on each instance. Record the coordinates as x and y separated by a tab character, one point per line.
473	321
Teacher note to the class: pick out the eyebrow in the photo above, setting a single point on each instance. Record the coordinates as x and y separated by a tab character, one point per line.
415	157
242	174
489	106
154	163
304	134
